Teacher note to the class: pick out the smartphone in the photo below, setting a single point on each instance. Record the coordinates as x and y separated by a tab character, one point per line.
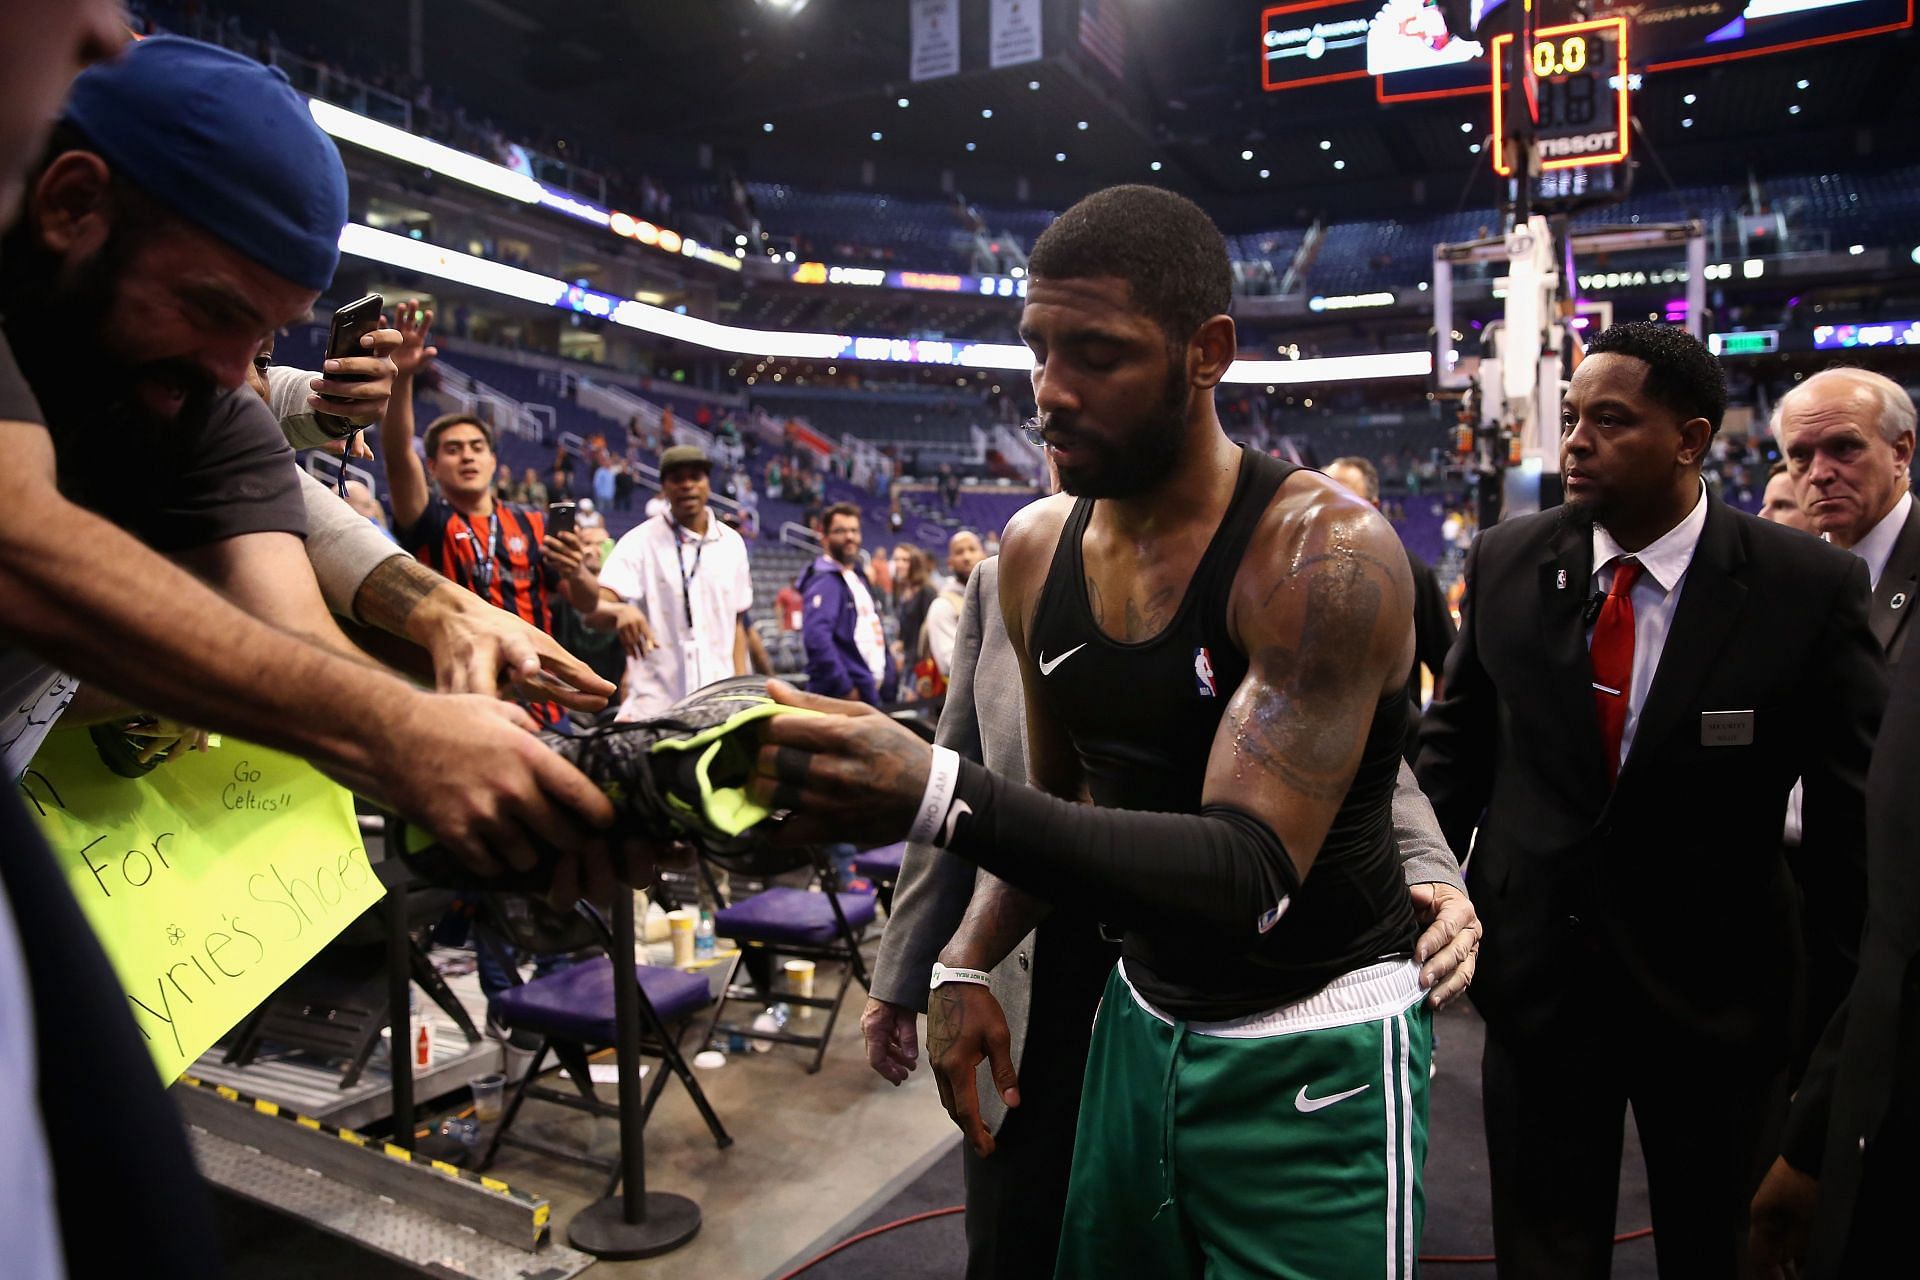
350	324
560	517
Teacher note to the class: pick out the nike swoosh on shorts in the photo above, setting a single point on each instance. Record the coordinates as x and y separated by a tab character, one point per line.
1306	1105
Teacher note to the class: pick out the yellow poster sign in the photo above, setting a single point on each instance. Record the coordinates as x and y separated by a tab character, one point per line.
209	881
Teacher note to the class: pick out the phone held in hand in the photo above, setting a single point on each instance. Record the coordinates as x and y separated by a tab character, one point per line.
560	517
351	323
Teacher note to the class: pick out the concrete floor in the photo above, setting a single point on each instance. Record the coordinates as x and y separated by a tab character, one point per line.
812	1155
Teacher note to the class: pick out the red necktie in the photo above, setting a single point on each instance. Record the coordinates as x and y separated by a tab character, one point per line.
1612	655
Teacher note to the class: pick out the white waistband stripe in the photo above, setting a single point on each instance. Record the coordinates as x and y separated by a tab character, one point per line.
1365	995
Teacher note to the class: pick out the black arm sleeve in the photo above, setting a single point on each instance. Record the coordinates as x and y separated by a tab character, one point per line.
1222	870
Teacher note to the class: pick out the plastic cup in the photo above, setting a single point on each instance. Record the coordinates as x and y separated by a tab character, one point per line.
489	1097
680	927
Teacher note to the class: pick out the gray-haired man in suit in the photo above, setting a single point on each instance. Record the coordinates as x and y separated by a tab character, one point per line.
1016	1195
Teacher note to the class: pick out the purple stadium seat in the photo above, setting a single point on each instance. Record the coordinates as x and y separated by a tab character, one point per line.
782	915
572	1014
881	864
577	1003
784	921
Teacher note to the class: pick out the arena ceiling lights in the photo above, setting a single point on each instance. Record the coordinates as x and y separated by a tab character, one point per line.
424	153
502	181
408	254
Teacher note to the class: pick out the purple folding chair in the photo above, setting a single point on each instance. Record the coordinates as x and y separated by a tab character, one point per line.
784	921
572	1013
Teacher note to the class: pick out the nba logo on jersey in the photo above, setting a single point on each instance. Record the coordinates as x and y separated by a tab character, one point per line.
1203	673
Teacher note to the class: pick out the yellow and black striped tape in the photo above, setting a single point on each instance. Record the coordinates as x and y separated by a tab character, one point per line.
539	1208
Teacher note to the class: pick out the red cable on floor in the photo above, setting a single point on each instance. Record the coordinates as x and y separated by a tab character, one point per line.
870	1233
1437	1259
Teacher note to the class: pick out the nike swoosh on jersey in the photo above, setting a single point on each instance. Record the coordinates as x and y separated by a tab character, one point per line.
1046	668
1307	1106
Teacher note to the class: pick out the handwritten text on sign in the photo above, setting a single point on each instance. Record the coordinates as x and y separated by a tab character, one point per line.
209	881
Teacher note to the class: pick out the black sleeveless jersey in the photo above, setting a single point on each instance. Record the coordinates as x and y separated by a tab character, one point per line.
1142	717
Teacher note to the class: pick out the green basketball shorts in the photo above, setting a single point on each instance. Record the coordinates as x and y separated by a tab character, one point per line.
1286	1144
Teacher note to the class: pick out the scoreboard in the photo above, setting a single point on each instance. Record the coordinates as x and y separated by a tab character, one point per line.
1574	84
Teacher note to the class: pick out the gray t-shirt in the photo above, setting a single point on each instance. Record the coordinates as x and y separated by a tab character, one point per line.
227	474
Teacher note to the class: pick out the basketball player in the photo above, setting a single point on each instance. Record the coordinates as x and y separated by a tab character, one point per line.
1213	646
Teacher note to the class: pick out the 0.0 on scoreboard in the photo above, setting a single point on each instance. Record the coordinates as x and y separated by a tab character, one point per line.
1573	82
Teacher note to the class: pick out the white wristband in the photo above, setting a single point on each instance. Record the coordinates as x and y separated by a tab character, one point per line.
942	778
944	973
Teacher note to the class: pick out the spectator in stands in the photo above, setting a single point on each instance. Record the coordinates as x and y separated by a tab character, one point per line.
749	506
776	479
912	595
622	485
880	572
943	615
1780	502
949	486
847	653
591	523
562	473
498	550
1433	628
503	482
790	605
606	481
676	588
361	499
532	492
658	506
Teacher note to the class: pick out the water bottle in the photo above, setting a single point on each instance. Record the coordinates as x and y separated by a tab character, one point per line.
703	936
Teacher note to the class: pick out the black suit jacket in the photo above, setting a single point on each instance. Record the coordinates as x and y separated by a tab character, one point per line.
1859	1097
1667	894
1894	599
1433	633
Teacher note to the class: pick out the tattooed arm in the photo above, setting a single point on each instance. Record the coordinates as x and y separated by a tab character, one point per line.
1323	607
472	642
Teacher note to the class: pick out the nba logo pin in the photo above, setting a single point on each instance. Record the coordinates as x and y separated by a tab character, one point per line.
1203	673
1560	582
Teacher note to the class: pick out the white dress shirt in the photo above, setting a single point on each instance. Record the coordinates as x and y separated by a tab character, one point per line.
1877	547
1655	595
669	572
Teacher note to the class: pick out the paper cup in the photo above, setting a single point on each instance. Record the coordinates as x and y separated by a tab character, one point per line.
800	978
680	929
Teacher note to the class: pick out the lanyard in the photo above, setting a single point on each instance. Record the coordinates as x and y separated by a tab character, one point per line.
687	575
484	567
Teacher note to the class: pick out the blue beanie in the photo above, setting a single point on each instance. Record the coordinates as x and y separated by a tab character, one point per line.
224	142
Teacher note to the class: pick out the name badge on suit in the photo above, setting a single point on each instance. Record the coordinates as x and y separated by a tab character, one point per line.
1726	728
